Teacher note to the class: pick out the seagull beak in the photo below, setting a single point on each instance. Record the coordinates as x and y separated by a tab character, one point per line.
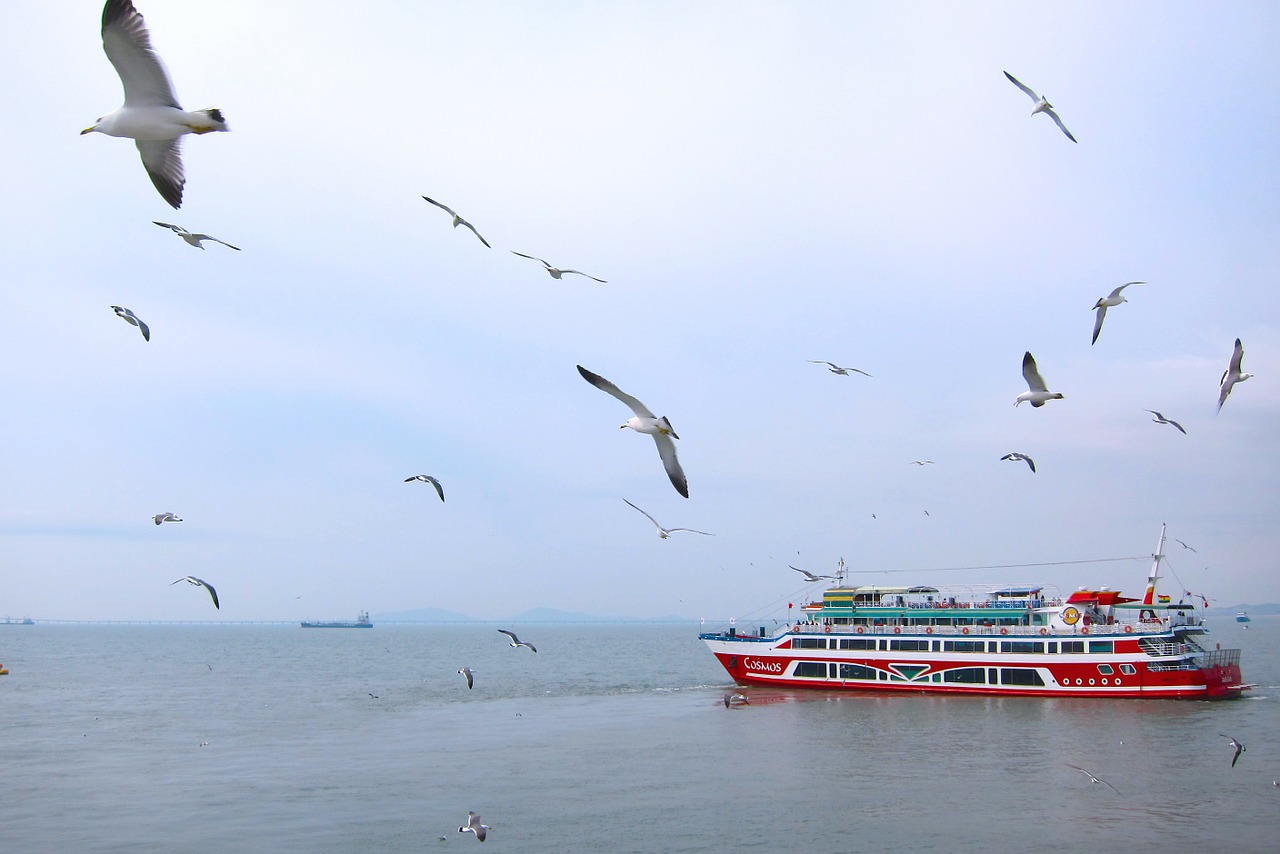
621	426
86	130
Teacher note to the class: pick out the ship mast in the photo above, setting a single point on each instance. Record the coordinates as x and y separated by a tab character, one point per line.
1149	597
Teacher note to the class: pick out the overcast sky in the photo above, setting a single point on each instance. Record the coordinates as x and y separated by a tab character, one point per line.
760	183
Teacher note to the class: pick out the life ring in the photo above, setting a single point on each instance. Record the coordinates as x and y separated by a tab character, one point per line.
1084	630
1070	615
861	630
897	630
964	630
1128	630
928	630
1044	631
1004	631
827	629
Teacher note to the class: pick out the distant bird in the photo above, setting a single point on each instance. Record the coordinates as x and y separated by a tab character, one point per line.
1016	457
474	826
920	463
373	695
150	115
132	319
1093	779
426	478
732	698
191	579
1042	105
196	240
1237	744
809	576
1184	545
645	421
664	533
1232	375
516	642
1038	393
1112	299
457	220
836	369
1160	419
164	517
469	673
556	272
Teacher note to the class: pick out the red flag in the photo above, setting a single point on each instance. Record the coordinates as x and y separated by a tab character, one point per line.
788	606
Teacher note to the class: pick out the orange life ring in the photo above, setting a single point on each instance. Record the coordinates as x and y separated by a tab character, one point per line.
964	630
861	630
1004	631
1044	631
1084	630
928	630
827	629
1128	629
897	630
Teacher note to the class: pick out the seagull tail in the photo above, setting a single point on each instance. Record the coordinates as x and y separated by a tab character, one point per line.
216	121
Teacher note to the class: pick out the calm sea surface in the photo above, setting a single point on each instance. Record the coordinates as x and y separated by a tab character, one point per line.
611	738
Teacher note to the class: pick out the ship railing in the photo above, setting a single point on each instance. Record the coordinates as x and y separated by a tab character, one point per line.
980	630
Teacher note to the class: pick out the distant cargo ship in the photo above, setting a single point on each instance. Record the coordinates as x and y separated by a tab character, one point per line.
361	622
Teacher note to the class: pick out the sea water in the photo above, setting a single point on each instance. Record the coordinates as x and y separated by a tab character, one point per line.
609	738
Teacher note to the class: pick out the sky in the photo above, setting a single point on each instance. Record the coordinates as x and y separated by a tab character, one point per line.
761	184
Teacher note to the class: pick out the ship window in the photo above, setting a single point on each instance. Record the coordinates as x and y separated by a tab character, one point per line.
1021	646
993	647
811	669
968	675
1128	669
811	643
856	671
1053	646
909	645
1020	676
831	670
1073	646
1100	646
1105	669
857	643
964	646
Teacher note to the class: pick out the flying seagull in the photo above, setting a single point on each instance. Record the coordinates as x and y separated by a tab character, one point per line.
664	533
645	421
457	220
1232	374
1160	419
516	642
474	826
920	463
1181	543
732	698
131	318
1038	393
809	576
1112	299
836	369
151	115
426	478
191	579
469	673
196	240
1016	457
556	272
1093	779
1042	105
164	517
1234	742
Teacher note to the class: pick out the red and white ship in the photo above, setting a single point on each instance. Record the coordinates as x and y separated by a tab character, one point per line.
1014	641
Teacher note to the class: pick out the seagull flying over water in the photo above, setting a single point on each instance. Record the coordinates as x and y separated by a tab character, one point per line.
809	576
1160	419
1016	457
733	698
516	642
1232	375
556	272
196	240
664	533
1093	779
1038	393
131	318
151	115
470	674
191	579
474	826
1042	105
426	478
1112	299
836	369
457	220
164	517
1237	744
645	421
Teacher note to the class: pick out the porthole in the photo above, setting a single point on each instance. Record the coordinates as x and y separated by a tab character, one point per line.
1090	681
1104	680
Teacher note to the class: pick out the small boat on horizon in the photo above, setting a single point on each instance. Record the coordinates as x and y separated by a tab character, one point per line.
361	622
1242	617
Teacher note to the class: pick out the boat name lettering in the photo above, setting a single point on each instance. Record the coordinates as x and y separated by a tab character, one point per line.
763	666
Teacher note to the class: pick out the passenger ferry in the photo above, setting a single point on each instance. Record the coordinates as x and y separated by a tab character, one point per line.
1012	641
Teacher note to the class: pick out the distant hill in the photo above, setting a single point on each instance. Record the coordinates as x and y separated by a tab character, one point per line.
424	615
1269	609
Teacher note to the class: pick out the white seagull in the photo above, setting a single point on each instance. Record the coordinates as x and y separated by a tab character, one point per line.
1042	105
1112	299
1038	393
1160	419
131	318
151	115
426	478
836	369
164	517
809	576
1016	457
457	220
645	421
921	463
191	579
516	642
474	826
1237	744
1093	779
556	272
664	533
1232	375
470	674
193	239
1185	546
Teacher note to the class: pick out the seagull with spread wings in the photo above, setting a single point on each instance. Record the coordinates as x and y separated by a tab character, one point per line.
1038	393
1042	105
664	533
645	421
556	272
457	220
193	238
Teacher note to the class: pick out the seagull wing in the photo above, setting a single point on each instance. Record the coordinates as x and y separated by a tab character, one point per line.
215	240
511	635
1237	356
444	208
163	163
1097	322
531	258
1059	123
1176	424
128	46
1031	374
466	671
176	229
650	518
809	576
667	450
212	593
1117	291
580	273
146	330
1029	462
1030	93
439	489
636	406
690	530
476	233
